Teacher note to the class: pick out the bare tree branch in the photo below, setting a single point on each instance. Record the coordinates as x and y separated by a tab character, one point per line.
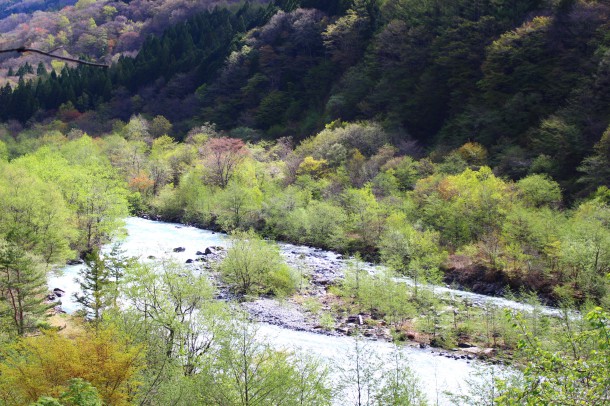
63	58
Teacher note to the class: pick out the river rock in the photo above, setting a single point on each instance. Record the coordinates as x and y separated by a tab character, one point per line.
324	281
480	352
58	310
286	314
77	261
59	292
189	261
179	249
207	251
352	319
342	330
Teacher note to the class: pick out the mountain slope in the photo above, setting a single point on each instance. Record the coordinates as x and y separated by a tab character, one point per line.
529	81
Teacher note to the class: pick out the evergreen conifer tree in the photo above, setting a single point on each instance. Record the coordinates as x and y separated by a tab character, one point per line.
22	288
94	283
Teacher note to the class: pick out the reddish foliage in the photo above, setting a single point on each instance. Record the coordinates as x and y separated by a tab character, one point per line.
222	156
142	183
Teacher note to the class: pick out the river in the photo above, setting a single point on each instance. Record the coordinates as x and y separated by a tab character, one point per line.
146	238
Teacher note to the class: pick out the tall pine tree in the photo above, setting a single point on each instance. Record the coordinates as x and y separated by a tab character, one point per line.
94	282
23	286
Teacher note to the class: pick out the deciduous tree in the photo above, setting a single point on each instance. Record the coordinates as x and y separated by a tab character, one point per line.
222	156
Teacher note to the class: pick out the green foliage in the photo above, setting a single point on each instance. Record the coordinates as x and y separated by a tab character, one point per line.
172	301
539	190
93	282
412	253
575	374
99	281
473	153
81	393
379	294
465	206
90	186
46	401
254	266
585	258
236	206
34	214
401	386
246	372
320	222
3	151
22	289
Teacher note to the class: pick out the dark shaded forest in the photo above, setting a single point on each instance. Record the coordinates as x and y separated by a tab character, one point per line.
528	80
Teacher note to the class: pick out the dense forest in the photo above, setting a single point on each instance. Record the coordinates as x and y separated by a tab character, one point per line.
525	80
460	143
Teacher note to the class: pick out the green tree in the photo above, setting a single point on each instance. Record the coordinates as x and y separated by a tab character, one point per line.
89	184
360	374
33	214
94	284
412	253
116	264
160	126
466	206
172	302
539	190
237	205
4	154
254	266
41	70
23	288
576	373
596	167
80	393
248	372
400	386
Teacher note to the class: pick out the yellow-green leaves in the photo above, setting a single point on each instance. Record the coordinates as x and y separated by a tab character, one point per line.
44	366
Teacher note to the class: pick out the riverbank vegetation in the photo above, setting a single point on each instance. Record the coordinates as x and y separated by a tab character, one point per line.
425	220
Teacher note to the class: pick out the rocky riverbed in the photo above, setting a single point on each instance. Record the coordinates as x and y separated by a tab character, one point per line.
310	311
318	270
294	323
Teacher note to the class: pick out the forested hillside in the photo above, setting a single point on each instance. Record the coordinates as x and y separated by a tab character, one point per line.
527	80
10	7
91	29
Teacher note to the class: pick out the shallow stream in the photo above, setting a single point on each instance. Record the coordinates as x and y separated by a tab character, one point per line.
148	239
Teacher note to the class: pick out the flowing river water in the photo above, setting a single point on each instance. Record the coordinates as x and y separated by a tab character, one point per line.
437	374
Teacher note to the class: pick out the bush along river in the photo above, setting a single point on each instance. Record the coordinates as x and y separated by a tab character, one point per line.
292	324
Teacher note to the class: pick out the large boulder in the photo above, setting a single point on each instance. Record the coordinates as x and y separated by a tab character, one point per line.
58	292
179	249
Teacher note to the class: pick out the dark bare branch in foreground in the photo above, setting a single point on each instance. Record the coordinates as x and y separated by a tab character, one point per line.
63	58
